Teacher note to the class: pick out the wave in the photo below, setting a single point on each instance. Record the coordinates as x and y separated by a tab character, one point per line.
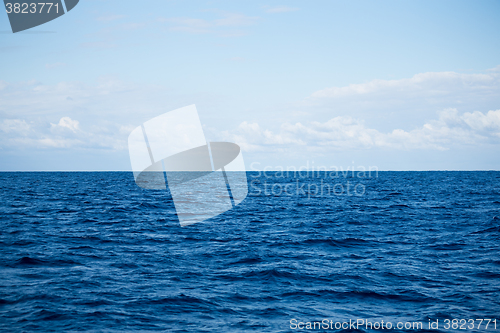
97	253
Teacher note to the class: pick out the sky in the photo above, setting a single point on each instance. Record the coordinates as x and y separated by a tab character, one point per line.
396	85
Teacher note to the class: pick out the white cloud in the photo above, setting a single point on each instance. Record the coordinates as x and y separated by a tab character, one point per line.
436	84
66	123
419	113
17	126
80	116
55	143
65	134
280	9
402	104
347	133
485	123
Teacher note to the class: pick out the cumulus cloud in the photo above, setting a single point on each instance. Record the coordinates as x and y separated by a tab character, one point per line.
65	134
483	123
433	111
19	133
74	115
346	133
66	123
390	104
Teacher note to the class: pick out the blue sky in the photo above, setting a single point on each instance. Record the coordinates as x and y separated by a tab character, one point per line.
395	84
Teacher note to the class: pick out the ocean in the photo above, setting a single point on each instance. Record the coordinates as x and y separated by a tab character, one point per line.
93	252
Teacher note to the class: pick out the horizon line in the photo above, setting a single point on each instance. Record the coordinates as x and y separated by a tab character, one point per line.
344	171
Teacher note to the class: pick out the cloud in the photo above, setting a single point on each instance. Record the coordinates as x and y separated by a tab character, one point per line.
347	133
280	9
66	123
17	126
429	111
67	115
389	104
203	26
235	20
65	134
484	123
437	84
417	113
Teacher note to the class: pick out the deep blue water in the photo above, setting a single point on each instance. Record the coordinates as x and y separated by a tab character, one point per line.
94	252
